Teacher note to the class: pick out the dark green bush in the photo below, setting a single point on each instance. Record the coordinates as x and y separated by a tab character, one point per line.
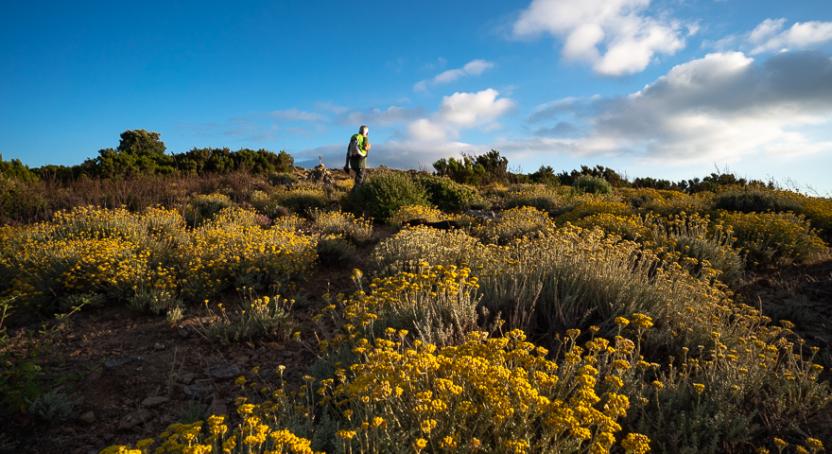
335	252
385	193
751	200
592	185
449	195
300	200
204	206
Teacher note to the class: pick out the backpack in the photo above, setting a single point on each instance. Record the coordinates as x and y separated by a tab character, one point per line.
352	148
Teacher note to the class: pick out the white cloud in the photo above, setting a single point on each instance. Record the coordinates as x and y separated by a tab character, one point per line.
296	115
719	108
472	68
428	138
770	36
616	36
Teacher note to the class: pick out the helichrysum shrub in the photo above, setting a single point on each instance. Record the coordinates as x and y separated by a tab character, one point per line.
301	199
592	185
236	257
449	195
385	193
409	213
357	229
437	303
511	224
694	236
630	227
588	205
123	256
539	196
203	206
772	239
496	394
751	200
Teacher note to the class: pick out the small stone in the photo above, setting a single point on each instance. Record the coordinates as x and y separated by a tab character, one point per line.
135	418
224	371
115	363
187	378
87	417
217	407
154	401
199	389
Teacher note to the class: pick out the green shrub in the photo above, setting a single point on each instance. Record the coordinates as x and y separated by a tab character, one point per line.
588	205
256	317
513	223
385	193
773	239
357	229
693	236
335	252
282	179
592	185
449	195
750	200
538	196
203	206
300	200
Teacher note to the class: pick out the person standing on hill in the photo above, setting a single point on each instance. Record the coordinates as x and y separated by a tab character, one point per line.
357	154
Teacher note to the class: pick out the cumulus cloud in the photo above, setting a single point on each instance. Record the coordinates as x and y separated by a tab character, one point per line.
770	35
716	108
428	138
472	68
616	37
459	111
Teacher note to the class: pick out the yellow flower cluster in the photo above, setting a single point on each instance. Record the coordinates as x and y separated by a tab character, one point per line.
513	223
338	222
496	393
438	302
628	227
775	238
408	213
588	204
251	435
243	256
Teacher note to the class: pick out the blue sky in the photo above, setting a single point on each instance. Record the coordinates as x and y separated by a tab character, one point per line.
669	89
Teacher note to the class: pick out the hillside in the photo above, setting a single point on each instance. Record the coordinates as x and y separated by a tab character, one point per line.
283	310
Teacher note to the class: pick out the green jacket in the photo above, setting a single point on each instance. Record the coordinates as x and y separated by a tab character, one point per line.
362	145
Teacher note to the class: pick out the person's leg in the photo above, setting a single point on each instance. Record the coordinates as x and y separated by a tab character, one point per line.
355	164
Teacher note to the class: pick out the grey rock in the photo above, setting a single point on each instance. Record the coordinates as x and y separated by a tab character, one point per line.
224	371
187	378
135	418
87	417
199	389
115	363
154	401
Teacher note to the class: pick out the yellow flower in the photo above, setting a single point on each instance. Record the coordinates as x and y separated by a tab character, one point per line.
635	443
420	444
699	388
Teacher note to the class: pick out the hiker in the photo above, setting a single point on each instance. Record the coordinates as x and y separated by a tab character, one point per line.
357	154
